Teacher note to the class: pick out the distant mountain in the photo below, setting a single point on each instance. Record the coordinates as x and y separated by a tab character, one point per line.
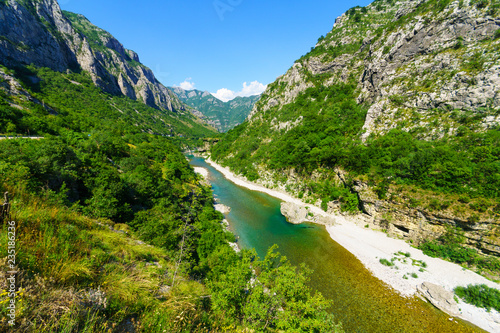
221	115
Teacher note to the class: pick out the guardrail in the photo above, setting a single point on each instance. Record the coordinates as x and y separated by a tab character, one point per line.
2	137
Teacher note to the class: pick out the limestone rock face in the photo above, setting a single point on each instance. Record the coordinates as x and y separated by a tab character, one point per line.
439	297
420	224
407	62
39	33
26	40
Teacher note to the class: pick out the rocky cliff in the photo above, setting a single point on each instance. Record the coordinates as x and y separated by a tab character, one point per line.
409	60
39	33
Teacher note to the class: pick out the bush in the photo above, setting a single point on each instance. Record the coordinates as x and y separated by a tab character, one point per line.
452	252
386	262
497	34
464	198
480	295
480	205
482	4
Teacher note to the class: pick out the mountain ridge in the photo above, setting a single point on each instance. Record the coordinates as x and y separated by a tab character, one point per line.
220	114
40	33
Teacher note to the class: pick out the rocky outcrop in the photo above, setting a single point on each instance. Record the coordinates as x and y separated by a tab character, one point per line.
297	214
439	297
294	213
419	223
39	33
222	208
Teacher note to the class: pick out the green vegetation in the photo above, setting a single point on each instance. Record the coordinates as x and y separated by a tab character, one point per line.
386	262
72	101
480	296
227	114
451	247
497	34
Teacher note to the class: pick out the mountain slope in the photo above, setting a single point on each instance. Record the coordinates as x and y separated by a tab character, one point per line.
222	115
87	73
39	33
394	113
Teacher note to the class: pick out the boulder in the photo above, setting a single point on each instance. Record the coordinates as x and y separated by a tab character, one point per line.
294	213
222	208
439	297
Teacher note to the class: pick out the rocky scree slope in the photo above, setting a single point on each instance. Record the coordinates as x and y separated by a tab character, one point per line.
222	115
37	32
426	68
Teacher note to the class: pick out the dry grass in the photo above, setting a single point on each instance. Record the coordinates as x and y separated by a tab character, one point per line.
77	275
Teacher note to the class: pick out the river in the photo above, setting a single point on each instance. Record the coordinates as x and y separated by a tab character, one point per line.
360	301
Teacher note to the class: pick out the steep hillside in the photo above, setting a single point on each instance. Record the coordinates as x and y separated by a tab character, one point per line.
408	60
222	115
39	33
61	69
39	101
393	114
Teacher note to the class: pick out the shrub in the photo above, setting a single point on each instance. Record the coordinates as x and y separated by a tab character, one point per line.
464	198
459	43
386	262
480	205
480	295
482	4
497	34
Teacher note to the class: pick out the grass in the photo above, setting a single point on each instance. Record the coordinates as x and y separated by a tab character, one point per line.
78	275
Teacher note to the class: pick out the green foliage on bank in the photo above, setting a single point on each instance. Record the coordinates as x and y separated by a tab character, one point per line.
321	131
480	296
466	164
115	231
316	136
450	246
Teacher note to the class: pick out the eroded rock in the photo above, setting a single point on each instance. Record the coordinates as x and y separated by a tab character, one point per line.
439	297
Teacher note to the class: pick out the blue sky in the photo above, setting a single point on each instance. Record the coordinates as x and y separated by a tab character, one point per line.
227	46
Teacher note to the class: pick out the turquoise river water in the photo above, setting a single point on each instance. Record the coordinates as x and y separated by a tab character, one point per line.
360	301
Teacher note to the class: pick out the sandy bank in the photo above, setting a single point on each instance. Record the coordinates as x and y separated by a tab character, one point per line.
201	171
369	246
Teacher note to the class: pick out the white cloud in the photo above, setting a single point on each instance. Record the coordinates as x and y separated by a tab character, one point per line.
254	88
188	84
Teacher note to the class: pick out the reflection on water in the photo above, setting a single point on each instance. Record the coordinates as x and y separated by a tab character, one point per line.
362	302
